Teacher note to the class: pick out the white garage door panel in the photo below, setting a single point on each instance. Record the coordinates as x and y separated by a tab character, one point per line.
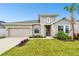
2	32
19	32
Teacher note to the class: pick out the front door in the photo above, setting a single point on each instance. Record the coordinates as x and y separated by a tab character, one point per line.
48	30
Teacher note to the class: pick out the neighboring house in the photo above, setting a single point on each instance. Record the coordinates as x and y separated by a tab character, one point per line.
2	29
46	25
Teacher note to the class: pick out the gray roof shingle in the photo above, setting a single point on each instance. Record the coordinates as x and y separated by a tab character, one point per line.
2	22
31	21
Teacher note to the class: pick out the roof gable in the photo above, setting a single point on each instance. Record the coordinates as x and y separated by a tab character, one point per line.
62	19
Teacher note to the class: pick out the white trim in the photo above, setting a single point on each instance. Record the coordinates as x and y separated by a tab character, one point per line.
64	28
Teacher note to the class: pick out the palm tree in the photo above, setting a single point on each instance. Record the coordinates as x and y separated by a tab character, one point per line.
71	10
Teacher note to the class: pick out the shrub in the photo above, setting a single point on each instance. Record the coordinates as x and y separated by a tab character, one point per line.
22	43
2	37
37	36
61	35
76	36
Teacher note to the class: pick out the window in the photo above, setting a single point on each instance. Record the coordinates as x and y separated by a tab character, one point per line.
60	28
48	20
67	29
36	30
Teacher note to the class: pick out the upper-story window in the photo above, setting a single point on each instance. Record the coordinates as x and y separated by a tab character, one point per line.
48	20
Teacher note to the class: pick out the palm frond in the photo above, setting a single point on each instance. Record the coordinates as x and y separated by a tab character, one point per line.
66	8
77	8
73	7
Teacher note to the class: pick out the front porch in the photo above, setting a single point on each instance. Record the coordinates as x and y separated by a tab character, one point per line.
47	30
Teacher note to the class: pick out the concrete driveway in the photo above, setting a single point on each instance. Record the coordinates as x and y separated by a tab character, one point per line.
8	43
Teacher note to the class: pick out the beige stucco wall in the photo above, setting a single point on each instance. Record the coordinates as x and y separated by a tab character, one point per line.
55	26
43	22
42	30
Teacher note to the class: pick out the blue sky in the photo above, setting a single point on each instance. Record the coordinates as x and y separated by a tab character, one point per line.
25	11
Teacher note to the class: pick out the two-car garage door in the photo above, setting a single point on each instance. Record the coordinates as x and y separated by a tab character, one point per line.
19	32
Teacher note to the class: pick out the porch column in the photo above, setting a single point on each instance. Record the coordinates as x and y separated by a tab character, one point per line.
64	28
52	33
54	30
42	30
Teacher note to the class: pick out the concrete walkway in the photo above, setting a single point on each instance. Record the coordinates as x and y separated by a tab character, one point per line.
8	43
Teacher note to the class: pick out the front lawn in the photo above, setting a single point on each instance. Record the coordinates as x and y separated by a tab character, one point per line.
44	47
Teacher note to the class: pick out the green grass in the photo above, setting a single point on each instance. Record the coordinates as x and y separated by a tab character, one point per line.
43	47
2	37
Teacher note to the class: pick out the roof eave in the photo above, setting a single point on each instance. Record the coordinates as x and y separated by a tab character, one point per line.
19	24
54	15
